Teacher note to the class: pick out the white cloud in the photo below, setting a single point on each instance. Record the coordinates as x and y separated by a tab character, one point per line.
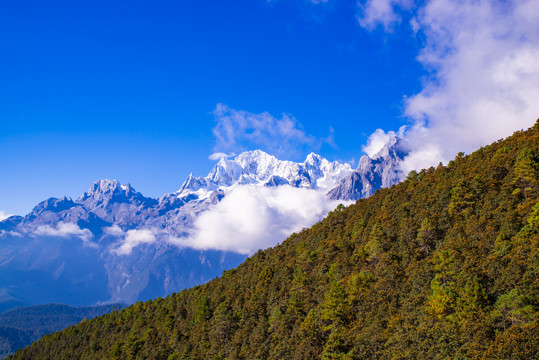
252	217
65	230
238	130
10	233
3	215
483	79
381	12
114	230
219	155
130	239
378	139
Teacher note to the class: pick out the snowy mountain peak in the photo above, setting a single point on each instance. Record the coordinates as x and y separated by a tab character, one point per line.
53	205
106	191
259	168
192	183
394	148
254	156
313	159
102	187
253	163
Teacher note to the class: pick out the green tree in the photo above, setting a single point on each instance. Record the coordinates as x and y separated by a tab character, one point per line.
374	246
426	236
512	308
533	218
202	311
463	197
472	301
525	173
335	309
223	323
442	300
336	347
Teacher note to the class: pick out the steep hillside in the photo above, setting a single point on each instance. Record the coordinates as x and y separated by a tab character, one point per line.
443	265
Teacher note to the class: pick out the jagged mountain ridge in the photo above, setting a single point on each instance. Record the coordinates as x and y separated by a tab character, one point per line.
108	202
152	264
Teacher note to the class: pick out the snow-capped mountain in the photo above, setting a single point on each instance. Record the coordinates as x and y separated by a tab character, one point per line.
257	167
113	244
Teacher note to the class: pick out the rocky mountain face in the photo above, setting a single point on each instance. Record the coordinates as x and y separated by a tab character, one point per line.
113	244
380	171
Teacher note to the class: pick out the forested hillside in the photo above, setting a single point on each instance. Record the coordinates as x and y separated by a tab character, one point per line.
443	265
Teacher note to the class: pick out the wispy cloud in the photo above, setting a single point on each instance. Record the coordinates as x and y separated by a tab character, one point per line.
483	79
65	230
374	13
114	230
238	130
220	155
251	217
10	233
4	215
130	239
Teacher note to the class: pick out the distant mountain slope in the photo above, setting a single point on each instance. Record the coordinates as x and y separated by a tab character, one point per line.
21	326
12	339
444	265
113	244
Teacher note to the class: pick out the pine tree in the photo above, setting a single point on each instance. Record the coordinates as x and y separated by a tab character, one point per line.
525	173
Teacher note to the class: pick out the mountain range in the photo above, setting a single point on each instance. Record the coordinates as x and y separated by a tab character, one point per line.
114	244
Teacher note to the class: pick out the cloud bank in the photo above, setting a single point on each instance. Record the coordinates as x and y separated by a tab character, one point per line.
483	81
238	130
253	217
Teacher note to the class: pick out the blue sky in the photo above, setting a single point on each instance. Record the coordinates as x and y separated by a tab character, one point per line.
129	89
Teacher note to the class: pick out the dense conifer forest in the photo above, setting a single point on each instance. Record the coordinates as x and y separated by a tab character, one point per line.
444	265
